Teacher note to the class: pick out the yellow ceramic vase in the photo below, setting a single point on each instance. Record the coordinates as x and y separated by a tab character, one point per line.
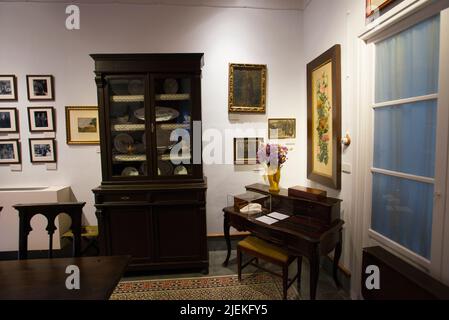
273	179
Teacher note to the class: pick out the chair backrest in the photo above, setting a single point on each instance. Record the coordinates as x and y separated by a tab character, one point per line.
50	211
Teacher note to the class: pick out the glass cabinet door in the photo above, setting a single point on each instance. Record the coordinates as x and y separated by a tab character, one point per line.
127	124
173	124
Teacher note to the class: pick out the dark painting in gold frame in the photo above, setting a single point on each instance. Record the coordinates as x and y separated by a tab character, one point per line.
247	88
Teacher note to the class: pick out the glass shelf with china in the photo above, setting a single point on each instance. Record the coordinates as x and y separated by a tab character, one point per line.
173	114
128	127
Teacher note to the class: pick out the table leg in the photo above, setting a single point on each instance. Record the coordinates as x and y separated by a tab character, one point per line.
337	255
226	228
314	261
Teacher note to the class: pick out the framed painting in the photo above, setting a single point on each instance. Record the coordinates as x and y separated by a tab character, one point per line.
247	88
40	88
41	119
377	6
9	152
281	128
9	120
245	150
324	118
8	87
82	125
42	150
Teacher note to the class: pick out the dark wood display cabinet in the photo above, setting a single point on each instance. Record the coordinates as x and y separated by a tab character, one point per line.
152	200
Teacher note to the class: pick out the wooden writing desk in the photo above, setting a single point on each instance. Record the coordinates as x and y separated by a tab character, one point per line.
312	230
44	279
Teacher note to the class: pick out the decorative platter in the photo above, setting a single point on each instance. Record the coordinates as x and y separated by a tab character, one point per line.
122	141
166	114
130	171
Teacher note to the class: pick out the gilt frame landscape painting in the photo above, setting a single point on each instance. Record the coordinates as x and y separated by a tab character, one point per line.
324	119
82	125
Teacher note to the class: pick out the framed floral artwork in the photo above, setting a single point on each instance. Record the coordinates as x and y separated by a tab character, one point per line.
324	118
247	88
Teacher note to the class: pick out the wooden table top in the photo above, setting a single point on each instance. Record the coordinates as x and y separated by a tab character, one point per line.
44	279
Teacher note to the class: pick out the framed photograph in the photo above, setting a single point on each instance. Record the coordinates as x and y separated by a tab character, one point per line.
324	118
9	152
247	88
9	120
281	128
41	119
42	150
40	88
82	125
245	150
373	6
8	87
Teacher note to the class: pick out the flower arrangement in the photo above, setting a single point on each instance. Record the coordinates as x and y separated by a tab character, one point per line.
273	156
323	110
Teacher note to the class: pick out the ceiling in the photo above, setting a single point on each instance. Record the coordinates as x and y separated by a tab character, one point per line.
260	4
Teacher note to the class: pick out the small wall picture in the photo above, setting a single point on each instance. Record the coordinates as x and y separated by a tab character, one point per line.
40	88
41	119
82	125
281	128
245	150
8	87
43	150
9	152
8	120
247	88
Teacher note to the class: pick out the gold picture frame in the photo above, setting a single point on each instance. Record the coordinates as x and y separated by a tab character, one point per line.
82	125
247	88
282	128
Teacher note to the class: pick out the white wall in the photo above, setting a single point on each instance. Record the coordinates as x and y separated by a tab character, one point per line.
34	41
327	23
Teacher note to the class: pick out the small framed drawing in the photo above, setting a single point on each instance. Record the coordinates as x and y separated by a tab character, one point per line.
247	88
245	150
324	119
376	8
9	120
281	128
42	150
8	87
41	119
40	88
82	125
9	152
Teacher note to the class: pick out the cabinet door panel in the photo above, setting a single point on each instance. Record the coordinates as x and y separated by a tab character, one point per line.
130	232
180	232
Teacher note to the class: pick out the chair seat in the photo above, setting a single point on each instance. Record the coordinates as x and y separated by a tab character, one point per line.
264	248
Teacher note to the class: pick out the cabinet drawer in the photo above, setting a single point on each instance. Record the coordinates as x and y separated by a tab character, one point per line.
125	197
162	197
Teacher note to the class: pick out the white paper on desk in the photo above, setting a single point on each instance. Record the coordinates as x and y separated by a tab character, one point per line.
278	216
266	219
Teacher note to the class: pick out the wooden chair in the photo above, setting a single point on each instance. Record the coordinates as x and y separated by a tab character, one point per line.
50	211
261	249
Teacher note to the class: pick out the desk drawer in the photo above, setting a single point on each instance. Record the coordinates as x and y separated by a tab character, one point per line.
125	197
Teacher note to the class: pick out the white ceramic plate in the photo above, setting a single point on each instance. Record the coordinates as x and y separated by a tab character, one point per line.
140	114
171	85
180	170
122	141
135	87
130	171
166	114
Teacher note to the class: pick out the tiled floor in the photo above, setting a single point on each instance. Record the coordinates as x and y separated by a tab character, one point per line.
326	287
